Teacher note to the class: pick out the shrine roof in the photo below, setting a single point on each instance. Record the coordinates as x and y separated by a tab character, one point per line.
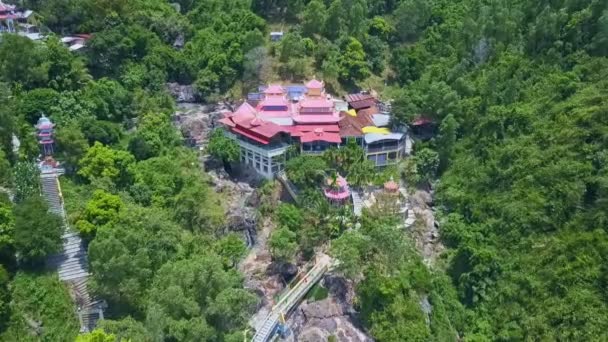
274	89
245	108
314	84
273	101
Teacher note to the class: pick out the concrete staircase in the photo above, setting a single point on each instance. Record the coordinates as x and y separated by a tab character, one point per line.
357	203
71	264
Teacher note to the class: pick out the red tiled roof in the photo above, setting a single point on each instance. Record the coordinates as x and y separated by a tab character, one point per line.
351	126
310	128
319	135
313	118
85	36
314	84
227	122
316	103
245	108
269	130
369	111
360	101
358	97
249	135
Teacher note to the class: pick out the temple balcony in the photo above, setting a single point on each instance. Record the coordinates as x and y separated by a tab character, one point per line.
375	148
270	150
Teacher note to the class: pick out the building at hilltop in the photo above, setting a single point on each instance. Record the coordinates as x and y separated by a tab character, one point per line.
17	20
279	117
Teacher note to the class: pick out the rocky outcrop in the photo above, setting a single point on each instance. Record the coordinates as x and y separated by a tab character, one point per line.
334	316
426	232
318	321
196	121
182	93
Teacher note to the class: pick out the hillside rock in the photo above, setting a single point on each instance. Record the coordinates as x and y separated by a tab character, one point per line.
182	93
317	321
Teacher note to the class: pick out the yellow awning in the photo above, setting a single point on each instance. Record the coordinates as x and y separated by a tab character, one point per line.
351	112
374	129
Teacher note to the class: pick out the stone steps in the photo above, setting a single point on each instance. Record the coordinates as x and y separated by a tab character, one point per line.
71	263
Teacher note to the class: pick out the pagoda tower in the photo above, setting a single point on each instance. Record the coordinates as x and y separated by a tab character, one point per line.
45	132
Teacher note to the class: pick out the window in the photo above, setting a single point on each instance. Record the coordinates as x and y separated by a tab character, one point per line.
265	169
381	159
392	155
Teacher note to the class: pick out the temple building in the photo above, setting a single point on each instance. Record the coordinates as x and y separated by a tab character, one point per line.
305	116
44	129
14	20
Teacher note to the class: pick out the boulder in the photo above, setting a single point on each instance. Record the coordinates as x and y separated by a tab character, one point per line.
322	309
182	93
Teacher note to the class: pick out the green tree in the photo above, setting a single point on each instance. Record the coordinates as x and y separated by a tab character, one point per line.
102	209
231	247
104	162
427	162
154	135
26	177
353	64
71	146
37	231
7	225
21	62
5	298
313	17
97	335
334	23
446	140
126	329
411	17
283	245
41	309
289	216
111	101
223	148
36	102
6	173
125	255
306	171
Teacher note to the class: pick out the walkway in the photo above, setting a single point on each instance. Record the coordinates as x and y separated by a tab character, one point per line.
72	263
292	298
357	203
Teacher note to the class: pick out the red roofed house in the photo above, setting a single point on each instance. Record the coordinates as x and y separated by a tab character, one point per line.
266	131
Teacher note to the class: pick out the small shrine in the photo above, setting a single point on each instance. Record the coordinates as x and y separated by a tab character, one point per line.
45	133
337	190
391	187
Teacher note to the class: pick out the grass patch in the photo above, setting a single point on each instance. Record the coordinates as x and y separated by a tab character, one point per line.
317	293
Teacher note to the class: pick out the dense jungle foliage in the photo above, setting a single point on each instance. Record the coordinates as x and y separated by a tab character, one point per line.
519	163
